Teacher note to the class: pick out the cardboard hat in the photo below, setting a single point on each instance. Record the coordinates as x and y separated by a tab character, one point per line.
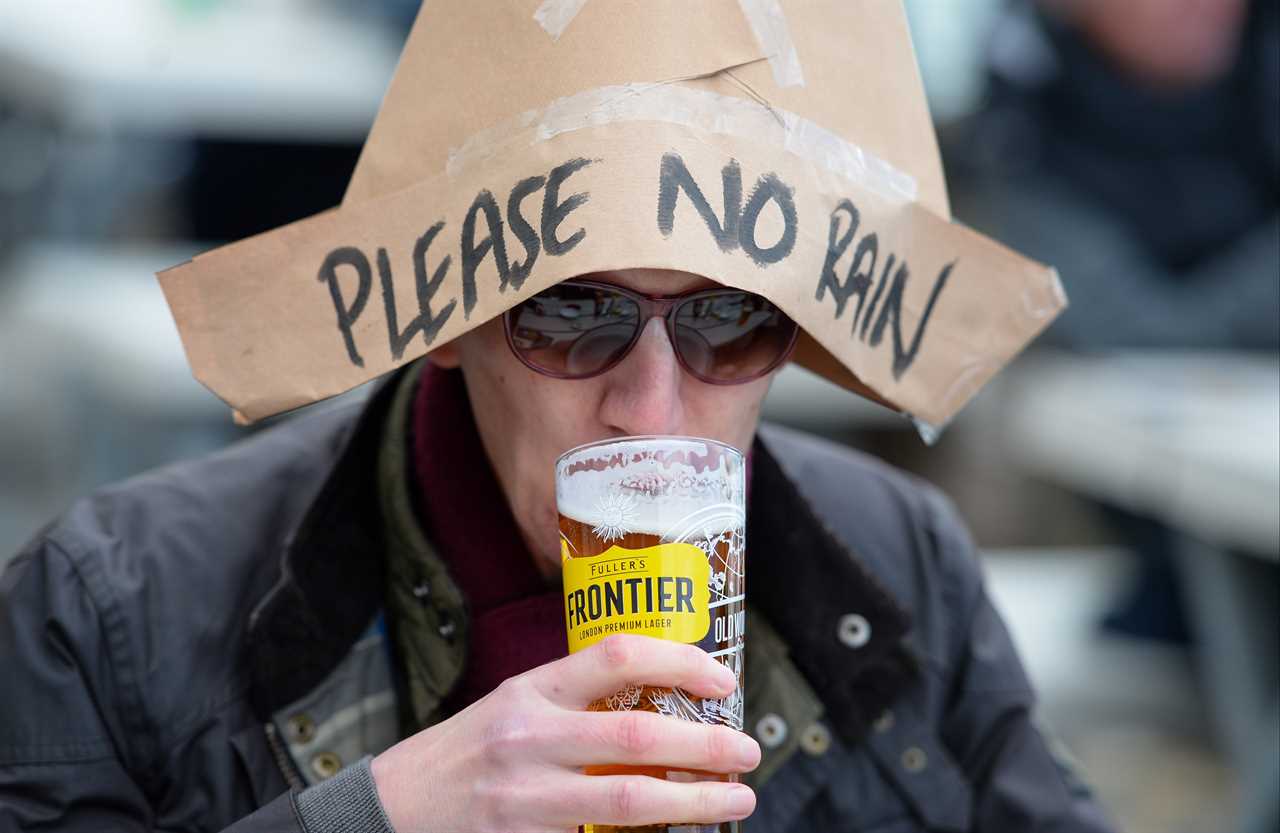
779	147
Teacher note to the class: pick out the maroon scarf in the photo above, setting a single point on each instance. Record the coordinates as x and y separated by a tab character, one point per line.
516	620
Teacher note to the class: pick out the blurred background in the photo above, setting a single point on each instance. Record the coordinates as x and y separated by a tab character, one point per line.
1122	478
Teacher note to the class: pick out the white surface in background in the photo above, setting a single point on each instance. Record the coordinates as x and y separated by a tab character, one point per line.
1129	710
247	69
1053	602
1192	439
951	38
98	313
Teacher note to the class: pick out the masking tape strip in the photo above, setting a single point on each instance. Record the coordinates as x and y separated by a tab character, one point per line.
767	20
556	15
698	109
770	27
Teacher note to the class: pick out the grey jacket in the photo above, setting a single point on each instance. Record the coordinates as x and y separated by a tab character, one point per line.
201	649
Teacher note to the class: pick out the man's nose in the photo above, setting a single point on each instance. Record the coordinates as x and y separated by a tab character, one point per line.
642	394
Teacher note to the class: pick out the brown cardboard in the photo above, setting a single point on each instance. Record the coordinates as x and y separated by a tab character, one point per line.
477	107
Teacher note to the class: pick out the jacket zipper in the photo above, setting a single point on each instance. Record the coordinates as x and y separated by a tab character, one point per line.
283	762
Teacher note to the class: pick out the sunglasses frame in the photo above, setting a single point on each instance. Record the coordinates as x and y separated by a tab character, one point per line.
651	306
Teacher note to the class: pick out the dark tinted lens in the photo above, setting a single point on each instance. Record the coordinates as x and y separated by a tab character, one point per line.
573	331
731	337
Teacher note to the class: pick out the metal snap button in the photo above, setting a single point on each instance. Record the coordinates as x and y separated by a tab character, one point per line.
771	731
301	728
326	765
914	759
884	722
815	740
854	630
447	628
421	590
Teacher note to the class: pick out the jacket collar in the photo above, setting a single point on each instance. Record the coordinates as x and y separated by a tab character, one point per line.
332	573
845	633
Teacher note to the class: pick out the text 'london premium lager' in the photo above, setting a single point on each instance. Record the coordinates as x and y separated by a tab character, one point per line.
652	532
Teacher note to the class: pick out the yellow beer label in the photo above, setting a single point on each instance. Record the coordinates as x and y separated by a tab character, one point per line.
657	591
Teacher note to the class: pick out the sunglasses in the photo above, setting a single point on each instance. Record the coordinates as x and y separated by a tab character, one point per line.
578	329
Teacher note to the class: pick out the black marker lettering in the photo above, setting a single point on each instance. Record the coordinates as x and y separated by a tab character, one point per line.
835	250
524	232
893	303
473	255
769	187
424	322
674	177
858	282
395	337
554	211
427	289
875	299
904	356
347	315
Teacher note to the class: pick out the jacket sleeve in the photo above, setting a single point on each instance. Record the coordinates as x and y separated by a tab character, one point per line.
1021	779
71	722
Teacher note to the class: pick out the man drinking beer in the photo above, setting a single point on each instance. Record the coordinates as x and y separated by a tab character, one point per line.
354	621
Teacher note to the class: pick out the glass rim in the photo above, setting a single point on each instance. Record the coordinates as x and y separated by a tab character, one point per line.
638	438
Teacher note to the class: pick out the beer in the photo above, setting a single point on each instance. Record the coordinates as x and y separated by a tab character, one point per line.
652	533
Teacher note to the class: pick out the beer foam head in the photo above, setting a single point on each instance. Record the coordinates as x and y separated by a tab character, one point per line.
671	487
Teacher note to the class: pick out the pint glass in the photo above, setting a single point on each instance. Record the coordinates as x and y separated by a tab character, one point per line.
652	536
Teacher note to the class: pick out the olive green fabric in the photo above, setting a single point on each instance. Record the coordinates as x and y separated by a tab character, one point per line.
433	662
426	613
774	687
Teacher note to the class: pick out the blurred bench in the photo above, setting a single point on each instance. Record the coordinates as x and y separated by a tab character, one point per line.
1191	440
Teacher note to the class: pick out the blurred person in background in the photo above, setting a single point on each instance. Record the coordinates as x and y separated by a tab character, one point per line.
1136	146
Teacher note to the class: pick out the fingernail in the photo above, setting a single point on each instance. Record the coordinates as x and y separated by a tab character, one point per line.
728	680
748	752
741	802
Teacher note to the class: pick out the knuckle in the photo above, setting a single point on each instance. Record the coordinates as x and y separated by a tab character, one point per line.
617	651
514	690
635	734
707	803
695	661
720	745
622	798
504	740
